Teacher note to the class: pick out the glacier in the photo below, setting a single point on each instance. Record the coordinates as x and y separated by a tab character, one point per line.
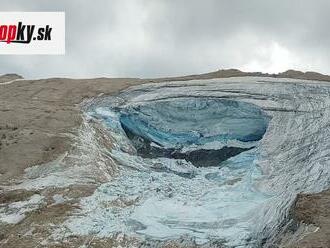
217	159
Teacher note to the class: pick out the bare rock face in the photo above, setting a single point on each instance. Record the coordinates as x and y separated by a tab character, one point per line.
309	75
312	209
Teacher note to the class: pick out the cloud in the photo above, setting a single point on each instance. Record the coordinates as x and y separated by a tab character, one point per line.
147	38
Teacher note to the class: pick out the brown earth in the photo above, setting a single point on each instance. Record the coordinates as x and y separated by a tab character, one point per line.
36	117
312	209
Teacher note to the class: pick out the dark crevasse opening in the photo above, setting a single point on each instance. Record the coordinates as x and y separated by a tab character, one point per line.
202	131
199	158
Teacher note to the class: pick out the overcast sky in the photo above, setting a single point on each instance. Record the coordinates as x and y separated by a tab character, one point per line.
152	38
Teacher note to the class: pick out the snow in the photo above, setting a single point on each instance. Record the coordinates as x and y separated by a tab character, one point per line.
16	211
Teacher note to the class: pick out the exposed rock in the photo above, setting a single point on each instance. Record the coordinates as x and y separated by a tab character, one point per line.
311	209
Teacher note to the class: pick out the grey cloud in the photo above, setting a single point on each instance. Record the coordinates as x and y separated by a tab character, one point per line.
149	38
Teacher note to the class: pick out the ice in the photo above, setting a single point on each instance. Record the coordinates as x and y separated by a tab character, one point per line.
58	199
281	123
193	120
